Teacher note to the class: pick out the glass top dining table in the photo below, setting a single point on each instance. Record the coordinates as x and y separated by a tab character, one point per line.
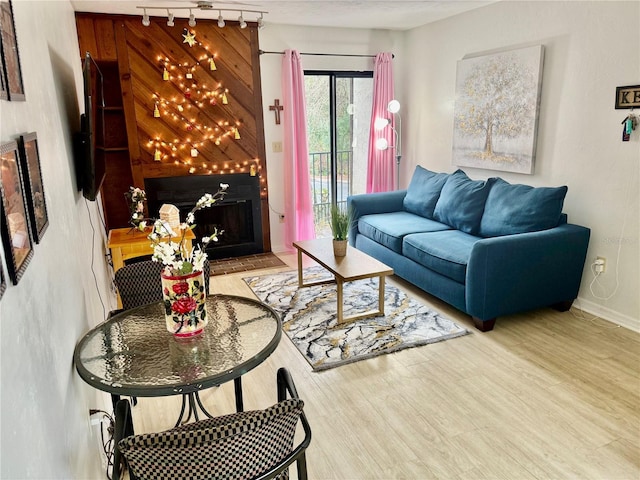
133	354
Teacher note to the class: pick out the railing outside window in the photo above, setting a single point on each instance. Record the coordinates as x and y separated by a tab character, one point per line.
320	171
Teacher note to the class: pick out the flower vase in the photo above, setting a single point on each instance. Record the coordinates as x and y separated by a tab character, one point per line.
184	303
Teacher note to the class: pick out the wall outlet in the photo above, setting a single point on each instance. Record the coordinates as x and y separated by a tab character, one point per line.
276	147
600	264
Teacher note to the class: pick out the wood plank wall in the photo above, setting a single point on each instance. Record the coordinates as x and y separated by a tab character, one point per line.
186	119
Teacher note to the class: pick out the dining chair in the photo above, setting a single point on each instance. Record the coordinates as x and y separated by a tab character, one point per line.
139	283
256	444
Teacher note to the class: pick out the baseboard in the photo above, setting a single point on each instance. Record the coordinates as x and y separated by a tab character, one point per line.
608	314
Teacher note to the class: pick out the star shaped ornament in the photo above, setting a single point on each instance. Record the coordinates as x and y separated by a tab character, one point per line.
189	37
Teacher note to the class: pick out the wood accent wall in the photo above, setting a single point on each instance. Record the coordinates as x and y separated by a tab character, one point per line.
139	53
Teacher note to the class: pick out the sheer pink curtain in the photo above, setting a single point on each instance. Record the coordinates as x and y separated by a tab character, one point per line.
298	208
381	172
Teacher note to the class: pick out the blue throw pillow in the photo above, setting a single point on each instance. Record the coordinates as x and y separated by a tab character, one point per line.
514	209
424	191
461	202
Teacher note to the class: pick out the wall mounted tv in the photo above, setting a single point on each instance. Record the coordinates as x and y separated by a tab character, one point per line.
90	156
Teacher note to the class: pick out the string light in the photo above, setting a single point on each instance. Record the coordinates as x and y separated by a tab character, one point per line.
199	90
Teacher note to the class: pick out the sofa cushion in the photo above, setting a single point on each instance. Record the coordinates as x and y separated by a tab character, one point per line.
389	229
512	209
423	191
446	252
461	202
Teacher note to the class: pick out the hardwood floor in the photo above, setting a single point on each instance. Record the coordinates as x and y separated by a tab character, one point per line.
545	395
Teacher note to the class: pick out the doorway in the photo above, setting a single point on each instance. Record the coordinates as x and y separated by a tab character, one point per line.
338	118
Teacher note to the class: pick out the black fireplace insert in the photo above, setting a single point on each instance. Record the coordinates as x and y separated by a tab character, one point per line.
238	214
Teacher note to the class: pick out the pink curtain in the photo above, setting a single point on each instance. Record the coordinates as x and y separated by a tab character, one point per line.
298	208
381	171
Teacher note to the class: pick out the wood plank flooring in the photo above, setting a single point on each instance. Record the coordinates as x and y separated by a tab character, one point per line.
545	395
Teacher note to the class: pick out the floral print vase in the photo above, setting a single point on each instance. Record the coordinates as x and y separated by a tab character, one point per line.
184	303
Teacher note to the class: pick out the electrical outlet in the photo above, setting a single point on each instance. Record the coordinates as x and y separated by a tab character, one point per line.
276	147
600	264
281	218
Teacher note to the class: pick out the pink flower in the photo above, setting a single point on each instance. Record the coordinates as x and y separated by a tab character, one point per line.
184	305
180	288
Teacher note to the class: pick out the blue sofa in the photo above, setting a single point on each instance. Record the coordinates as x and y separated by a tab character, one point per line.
489	248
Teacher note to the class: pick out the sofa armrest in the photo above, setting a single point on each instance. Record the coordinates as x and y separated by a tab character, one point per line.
519	272
367	203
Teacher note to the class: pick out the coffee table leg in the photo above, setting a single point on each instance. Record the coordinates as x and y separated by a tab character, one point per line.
339	290
300	284
381	294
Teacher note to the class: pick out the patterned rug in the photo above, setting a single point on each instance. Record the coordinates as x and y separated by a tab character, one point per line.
309	318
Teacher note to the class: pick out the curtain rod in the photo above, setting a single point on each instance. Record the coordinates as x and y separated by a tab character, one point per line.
261	52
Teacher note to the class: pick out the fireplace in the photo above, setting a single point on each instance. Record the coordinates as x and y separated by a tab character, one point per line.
238	214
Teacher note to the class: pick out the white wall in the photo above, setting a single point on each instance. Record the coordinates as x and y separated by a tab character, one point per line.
311	40
590	48
45	404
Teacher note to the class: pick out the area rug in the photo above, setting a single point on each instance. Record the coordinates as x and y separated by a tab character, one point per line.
309	318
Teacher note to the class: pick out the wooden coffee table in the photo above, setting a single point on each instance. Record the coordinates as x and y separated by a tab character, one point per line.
354	266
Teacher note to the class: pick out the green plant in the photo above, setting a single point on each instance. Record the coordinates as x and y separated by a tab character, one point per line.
340	222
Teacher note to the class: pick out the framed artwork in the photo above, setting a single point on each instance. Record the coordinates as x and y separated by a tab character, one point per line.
3	282
10	57
33	186
4	94
15	223
496	110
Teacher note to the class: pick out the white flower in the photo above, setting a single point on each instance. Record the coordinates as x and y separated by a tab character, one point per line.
175	256
198	259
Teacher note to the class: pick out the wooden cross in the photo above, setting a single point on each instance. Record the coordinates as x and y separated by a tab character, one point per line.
276	108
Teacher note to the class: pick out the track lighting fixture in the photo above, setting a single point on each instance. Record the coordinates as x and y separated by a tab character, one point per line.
145	19
203	5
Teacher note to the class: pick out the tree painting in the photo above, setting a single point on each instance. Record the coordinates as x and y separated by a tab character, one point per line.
496	110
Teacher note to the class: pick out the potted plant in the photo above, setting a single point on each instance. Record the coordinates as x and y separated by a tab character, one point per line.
340	223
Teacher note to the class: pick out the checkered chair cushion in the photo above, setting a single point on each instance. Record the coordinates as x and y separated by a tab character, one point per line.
237	446
139	283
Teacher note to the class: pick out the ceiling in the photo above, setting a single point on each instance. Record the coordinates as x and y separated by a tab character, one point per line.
376	14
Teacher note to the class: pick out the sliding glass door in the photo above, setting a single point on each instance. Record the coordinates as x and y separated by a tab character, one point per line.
338	118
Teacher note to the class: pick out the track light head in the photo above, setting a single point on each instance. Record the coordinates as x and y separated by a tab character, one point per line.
243	24
170	19
192	19
221	22
145	19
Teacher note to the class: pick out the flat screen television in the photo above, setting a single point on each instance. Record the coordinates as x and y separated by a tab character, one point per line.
90	156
